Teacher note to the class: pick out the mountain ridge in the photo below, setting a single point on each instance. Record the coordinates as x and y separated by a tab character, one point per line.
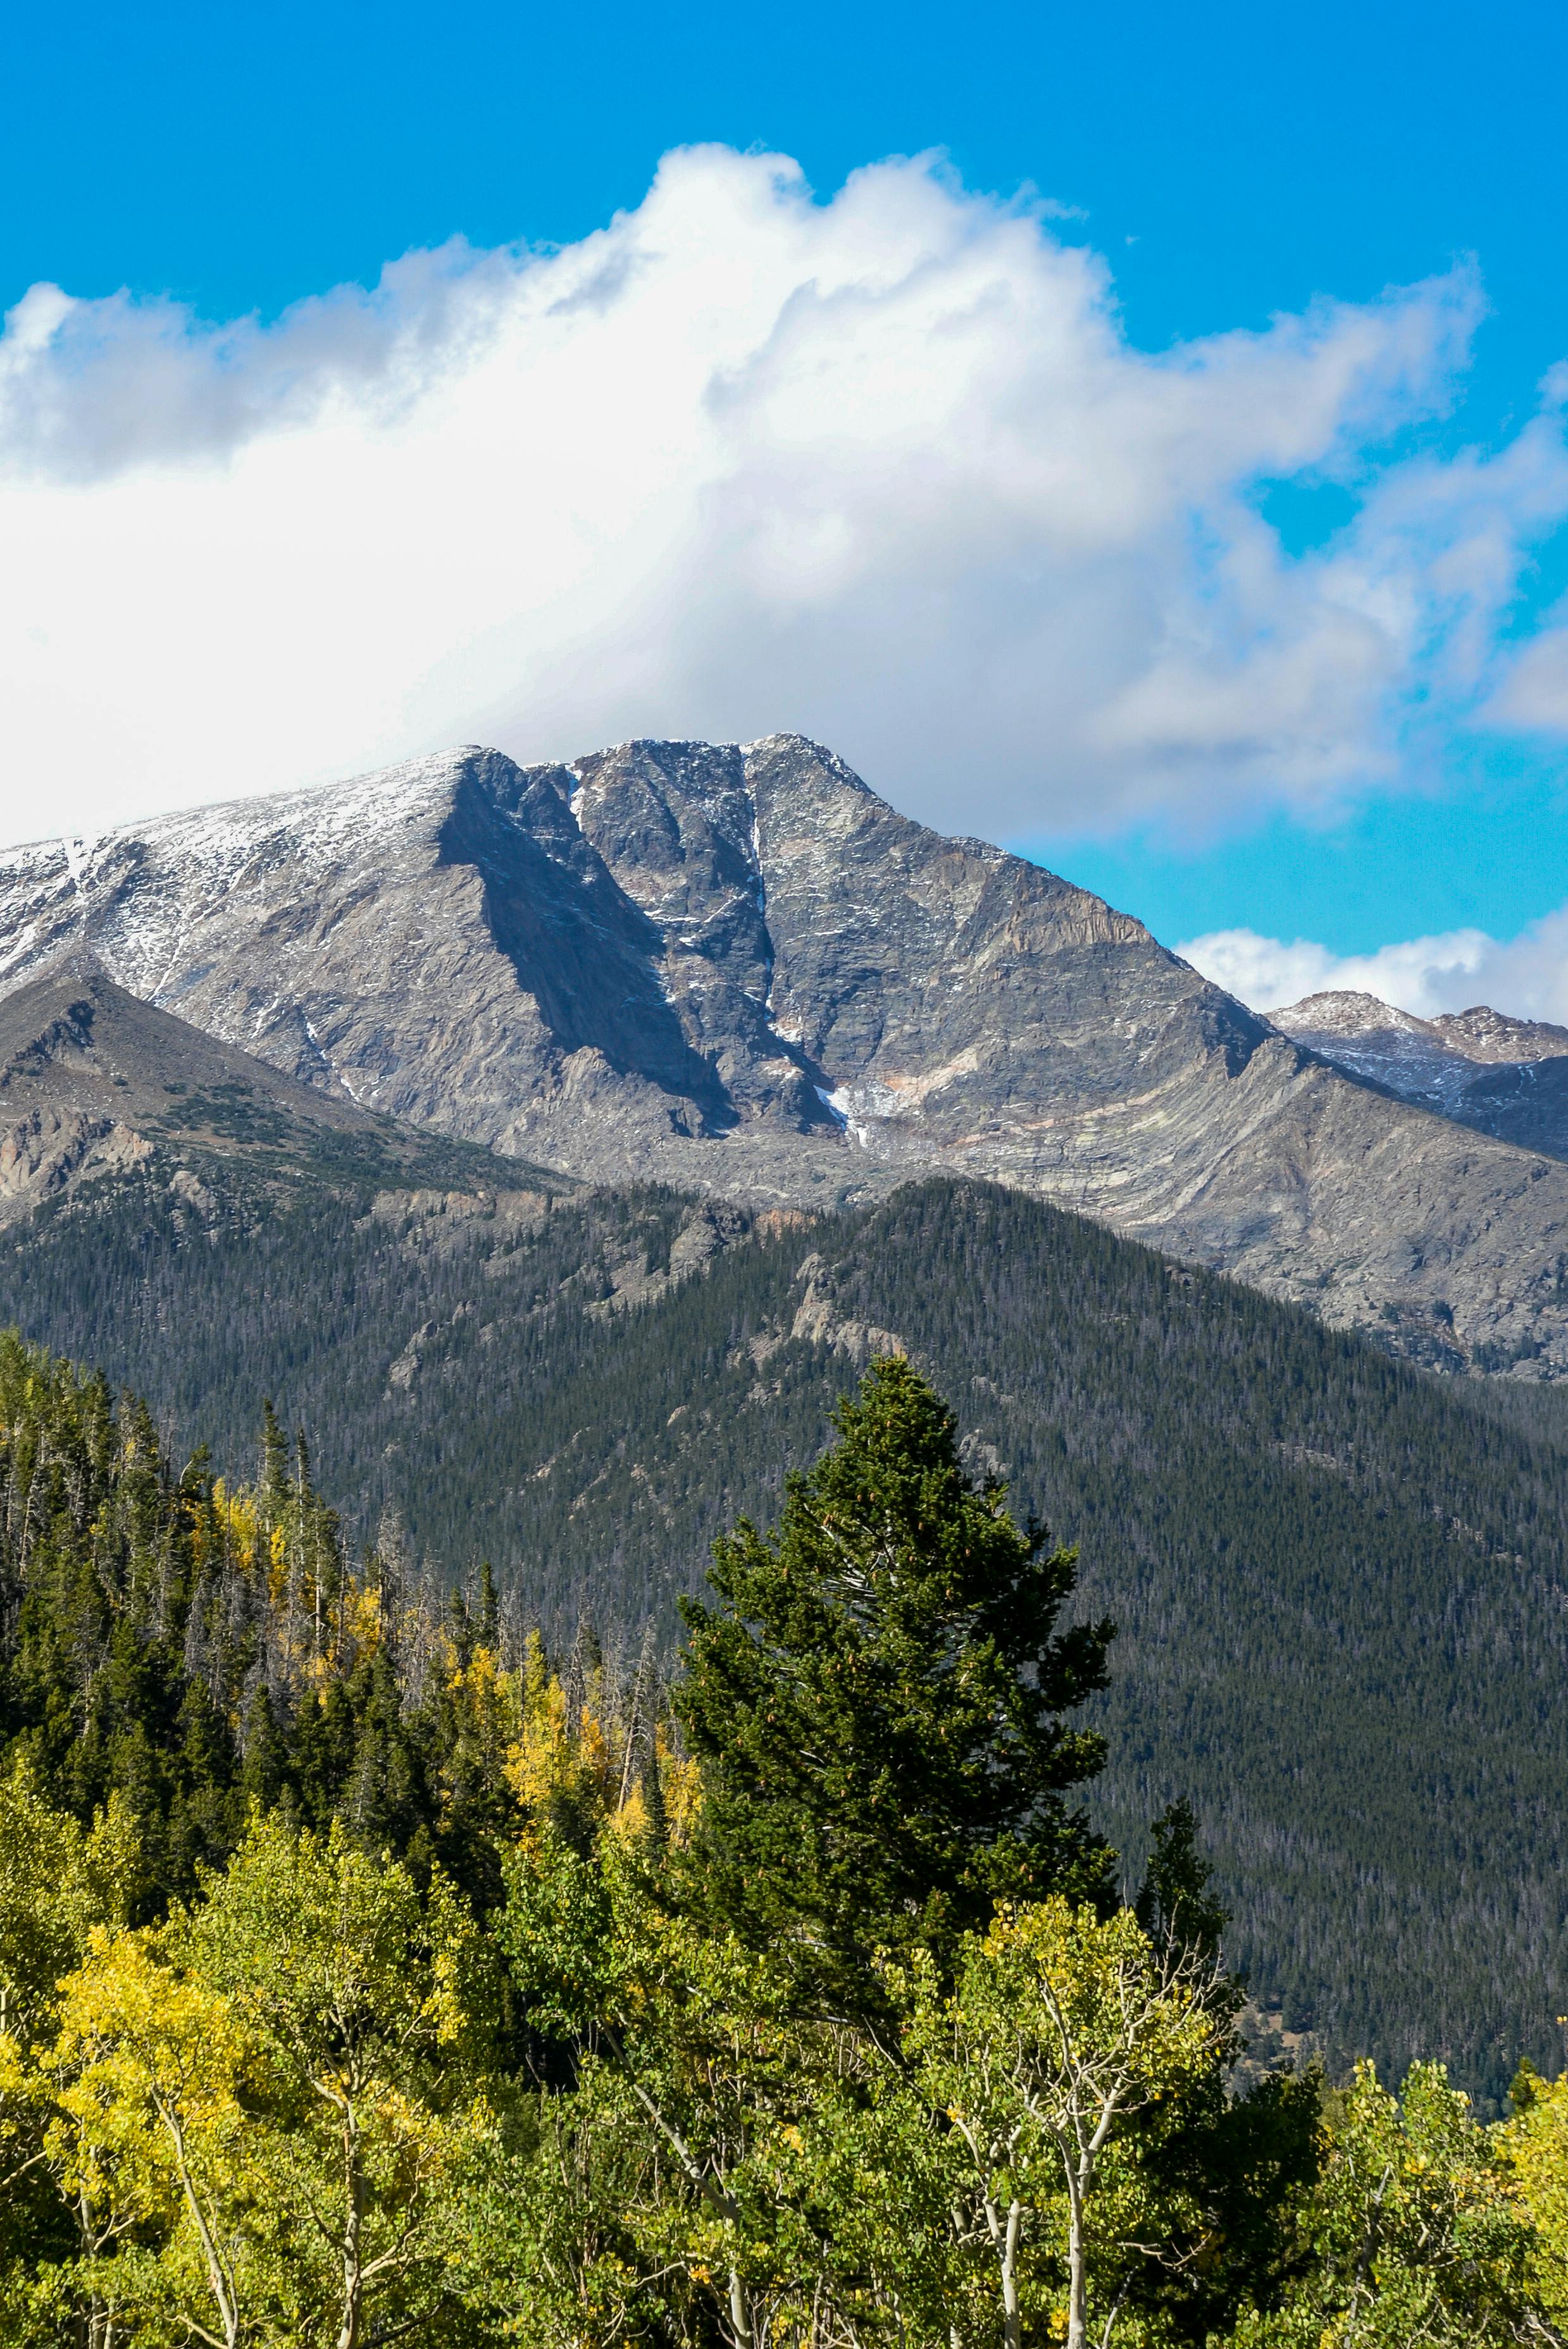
734	968
1505	1077
94	1082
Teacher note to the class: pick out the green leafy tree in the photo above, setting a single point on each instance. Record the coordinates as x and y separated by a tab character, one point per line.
681	2043
877	1695
58	1882
270	2110
1536	2144
1065	2036
368	2006
151	2141
550	2216
1415	2233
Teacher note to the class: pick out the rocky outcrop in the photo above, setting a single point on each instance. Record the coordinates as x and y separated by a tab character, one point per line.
1505	1077
818	1319
47	1151
736	969
94	1082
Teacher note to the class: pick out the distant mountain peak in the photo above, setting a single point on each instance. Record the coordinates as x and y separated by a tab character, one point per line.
1490	1037
1505	1077
1480	1035
1345	1011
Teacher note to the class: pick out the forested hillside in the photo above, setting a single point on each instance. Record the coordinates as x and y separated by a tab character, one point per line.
365	1978
1338	1583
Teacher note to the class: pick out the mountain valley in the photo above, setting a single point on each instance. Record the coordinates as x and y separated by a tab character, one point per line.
1339	1579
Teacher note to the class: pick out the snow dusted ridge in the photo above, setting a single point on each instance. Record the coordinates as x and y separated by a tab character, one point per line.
1489	1036
1506	1077
733	968
1420	1057
144	891
600	930
1481	1036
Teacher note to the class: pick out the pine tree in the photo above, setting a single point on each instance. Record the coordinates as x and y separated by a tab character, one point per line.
274	1478
261	1777
876	1694
1175	1904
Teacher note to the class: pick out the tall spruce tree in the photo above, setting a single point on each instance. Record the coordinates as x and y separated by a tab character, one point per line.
877	1693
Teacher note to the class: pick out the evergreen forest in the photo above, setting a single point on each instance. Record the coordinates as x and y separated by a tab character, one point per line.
1337	1582
374	1968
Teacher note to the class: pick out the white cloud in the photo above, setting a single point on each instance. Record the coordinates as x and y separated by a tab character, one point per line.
885	469
1533	695
1527	976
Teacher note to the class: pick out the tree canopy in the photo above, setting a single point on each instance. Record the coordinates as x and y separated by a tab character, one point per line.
368	1975
880	1696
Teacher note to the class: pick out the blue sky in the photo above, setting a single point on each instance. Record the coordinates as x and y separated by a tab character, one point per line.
1227	166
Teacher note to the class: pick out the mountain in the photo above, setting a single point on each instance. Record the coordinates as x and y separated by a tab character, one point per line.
737	969
95	1083
1340	1581
1505	1077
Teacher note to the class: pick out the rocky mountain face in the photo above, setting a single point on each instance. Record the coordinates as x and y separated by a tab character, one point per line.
94	1083
1505	1077
737	969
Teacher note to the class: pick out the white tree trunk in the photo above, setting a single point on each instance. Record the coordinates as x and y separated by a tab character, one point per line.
741	2322
1078	2279
1012	2320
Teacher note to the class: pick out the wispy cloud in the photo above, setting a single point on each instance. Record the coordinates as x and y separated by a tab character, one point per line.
885	469
1532	697
1527	976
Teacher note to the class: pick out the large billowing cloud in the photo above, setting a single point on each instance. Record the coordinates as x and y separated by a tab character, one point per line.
886	470
1527	976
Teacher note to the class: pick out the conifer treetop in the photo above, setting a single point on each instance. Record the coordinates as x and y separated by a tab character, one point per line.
877	1692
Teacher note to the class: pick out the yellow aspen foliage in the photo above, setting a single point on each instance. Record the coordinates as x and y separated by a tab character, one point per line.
366	2004
482	1686
630	1823
148	2131
58	1881
558	1768
680	1778
277	1566
240	1523
362	1626
1537	2145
